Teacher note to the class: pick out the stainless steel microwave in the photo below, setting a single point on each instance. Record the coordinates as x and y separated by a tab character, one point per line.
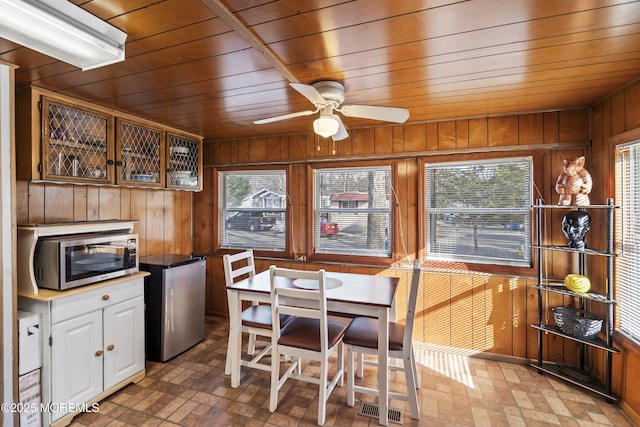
65	262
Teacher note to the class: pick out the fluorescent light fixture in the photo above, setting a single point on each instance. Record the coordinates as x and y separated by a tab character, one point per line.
62	30
326	126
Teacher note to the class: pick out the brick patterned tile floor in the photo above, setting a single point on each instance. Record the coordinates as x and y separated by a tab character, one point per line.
455	390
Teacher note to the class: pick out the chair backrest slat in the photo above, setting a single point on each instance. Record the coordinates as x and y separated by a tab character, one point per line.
299	311
231	273
308	303
247	269
411	305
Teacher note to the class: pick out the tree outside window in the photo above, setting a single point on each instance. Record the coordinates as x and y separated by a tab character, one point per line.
353	211
479	211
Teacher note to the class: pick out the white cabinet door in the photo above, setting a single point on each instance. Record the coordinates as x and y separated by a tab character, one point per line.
76	361
123	341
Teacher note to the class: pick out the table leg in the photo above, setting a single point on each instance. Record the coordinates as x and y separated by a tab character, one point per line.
232	365
383	365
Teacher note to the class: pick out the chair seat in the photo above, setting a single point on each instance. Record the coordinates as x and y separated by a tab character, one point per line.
305	333
259	316
363	332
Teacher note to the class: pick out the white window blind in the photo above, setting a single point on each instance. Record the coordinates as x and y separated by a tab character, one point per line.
252	209
352	211
479	211
627	265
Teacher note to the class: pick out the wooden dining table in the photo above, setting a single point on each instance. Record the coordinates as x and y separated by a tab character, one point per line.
357	295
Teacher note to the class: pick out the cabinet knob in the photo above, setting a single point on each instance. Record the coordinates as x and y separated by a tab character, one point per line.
110	347
110	162
105	297
99	353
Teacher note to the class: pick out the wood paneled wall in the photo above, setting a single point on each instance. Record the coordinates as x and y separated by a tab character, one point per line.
617	120
488	311
164	217
569	127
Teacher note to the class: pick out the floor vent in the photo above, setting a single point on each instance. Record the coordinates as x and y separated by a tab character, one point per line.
372	410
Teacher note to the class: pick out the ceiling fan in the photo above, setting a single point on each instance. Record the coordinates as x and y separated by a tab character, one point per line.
327	96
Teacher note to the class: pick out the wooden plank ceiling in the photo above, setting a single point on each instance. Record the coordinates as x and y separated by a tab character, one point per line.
441	59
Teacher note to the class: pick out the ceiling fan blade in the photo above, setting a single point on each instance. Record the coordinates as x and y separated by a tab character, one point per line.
309	92
284	117
342	131
387	114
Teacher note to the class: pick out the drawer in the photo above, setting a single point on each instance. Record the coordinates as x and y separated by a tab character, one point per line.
95	299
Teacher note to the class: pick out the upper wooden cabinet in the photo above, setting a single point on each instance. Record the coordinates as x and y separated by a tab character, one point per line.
61	139
75	143
140	152
184	164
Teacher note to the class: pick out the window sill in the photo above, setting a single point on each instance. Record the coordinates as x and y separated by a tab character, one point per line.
462	267
351	260
628	344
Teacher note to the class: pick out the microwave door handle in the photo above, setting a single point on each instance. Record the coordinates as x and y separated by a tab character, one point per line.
99	246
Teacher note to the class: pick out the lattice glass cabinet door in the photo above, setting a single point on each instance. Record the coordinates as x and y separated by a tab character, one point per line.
184	162
139	158
76	143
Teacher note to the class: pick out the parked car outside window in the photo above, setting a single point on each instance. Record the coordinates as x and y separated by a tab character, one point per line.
358	201
515	226
328	229
252	221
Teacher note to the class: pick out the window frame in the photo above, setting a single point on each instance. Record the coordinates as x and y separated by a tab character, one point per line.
621	294
311	214
218	211
466	265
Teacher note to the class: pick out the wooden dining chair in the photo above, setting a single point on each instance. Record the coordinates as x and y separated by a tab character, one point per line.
362	337
308	336
256	319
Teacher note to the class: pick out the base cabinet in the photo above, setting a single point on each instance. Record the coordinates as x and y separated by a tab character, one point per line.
76	373
93	343
123	345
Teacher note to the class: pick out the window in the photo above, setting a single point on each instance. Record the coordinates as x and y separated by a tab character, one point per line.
253	209
352	211
627	264
479	211
348	204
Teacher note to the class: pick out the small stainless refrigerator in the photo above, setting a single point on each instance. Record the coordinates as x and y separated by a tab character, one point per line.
174	296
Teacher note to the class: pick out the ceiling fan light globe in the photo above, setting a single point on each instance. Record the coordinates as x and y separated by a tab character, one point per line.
326	126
